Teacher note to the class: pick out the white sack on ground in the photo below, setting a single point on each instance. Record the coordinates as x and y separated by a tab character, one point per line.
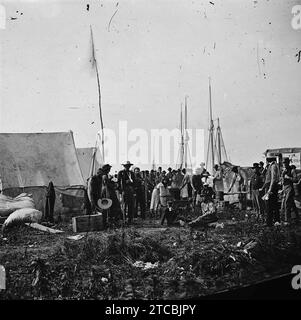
24	215
9	205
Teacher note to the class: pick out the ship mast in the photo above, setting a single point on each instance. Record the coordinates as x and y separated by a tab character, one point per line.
185	132
219	150
211	132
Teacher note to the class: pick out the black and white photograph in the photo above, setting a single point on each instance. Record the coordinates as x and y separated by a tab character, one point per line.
150	153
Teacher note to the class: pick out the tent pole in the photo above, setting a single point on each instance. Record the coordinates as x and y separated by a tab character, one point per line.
99	96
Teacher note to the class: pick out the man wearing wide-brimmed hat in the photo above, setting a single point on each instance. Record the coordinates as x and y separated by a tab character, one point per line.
126	180
271	188
256	184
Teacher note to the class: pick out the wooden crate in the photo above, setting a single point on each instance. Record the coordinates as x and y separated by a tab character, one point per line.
88	223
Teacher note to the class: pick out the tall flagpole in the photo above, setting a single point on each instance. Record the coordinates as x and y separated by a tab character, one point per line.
94	64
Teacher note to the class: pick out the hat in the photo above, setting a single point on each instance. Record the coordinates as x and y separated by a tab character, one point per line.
234	169
104	203
128	163
271	158
106	166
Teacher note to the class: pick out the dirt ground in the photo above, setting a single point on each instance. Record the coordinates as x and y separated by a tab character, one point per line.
146	261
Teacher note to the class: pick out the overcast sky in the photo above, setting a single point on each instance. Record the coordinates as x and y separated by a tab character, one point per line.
151	55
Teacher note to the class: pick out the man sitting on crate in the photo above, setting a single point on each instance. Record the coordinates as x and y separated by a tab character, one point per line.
168	214
208	207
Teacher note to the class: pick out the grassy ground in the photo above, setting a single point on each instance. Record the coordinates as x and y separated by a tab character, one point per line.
182	262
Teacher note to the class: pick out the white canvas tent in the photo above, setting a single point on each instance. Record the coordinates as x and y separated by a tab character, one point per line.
29	161
89	161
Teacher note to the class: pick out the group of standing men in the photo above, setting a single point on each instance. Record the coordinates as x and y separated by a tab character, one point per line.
124	190
130	190
266	183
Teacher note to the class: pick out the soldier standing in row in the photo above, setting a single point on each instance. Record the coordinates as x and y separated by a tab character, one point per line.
148	188
139	192
289	177
271	188
256	184
108	191
126	186
94	189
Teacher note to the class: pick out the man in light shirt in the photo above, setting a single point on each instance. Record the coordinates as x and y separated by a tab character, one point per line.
271	187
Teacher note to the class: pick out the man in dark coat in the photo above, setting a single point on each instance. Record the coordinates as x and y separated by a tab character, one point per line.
126	179
289	177
139	192
169	176
148	188
108	190
271	187
50	201
256	184
94	189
